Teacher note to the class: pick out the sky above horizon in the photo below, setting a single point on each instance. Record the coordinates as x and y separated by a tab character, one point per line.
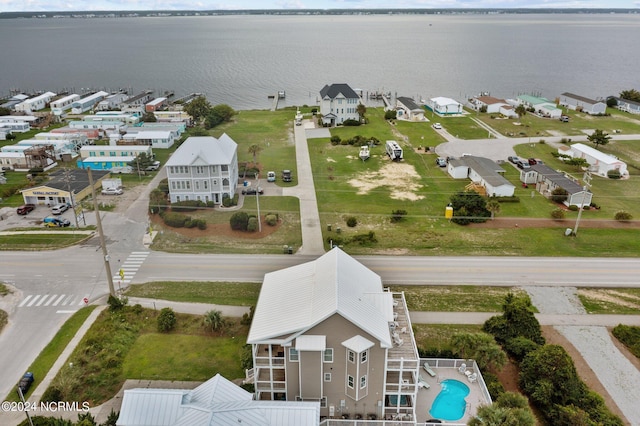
73	5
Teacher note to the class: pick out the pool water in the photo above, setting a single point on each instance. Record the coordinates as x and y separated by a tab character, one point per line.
450	403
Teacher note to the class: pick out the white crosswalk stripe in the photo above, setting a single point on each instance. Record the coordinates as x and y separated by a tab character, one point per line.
52	300
129	267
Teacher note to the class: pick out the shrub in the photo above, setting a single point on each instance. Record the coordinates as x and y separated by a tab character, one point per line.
629	336
239	221
202	224
559	195
573	208
351	122
398	216
622	216
187	206
519	347
271	219
511	199
252	224
364	239
228	201
174	220
557	214
166	320
390	114
352	221
116	303
335	140
614	174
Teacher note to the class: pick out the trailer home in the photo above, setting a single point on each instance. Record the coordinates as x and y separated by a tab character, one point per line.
394	151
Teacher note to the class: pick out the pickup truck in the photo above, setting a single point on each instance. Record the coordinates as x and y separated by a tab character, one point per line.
152	167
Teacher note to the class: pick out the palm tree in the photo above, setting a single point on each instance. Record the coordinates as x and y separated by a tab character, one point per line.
214	320
255	150
494	207
521	110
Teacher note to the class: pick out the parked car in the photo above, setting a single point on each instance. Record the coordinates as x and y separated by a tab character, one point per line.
437	126
152	167
532	161
25	382
513	159
252	191
59	208
271	176
53	222
523	164
112	191
564	118
441	162
25	209
286	176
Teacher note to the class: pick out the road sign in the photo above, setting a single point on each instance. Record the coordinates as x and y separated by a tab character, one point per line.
85	300
121	273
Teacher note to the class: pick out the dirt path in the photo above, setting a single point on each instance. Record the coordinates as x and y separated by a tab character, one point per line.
518	222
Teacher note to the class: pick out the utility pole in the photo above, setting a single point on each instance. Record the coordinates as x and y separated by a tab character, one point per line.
258	204
585	188
67	178
103	244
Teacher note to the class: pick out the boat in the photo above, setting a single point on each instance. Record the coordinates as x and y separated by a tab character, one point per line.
298	118
281	94
364	153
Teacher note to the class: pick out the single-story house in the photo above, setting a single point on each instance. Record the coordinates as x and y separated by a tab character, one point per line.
35	104
59	106
100	157
216	402
543	106
154	138
581	103
444	106
482	171
112	101
408	109
546	180
628	106
599	162
493	105
65	186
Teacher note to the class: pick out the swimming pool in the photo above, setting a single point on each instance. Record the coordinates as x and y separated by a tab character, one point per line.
450	403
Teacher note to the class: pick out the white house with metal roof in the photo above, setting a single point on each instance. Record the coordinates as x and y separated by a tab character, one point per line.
444	106
85	104
599	162
547	180
216	402
203	168
541	106
59	106
35	104
328	331
155	138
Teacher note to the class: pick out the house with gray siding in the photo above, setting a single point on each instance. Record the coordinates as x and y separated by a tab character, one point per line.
328	331
582	103
203	168
484	172
547	180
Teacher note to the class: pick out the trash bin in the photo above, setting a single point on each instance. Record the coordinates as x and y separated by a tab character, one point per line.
329	227
289	250
338	230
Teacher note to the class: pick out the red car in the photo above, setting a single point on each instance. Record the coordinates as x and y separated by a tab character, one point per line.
25	209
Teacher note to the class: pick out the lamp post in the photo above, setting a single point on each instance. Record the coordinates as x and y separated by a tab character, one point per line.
258	203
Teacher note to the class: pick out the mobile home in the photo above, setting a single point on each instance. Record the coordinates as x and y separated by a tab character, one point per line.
394	151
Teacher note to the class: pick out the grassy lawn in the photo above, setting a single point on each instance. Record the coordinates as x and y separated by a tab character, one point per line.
438	336
218	238
610	300
50	354
218	293
125	344
455	298
158	356
538	127
462	127
270	130
43	241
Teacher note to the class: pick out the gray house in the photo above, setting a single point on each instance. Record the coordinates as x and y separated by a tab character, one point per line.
546	180
484	172
581	103
408	109
203	168
328	331
338	102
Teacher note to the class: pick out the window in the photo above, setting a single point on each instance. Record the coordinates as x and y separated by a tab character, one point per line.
293	355
206	185
328	355
363	381
197	184
224	168
352	356
327	377
323	402
363	356
350	381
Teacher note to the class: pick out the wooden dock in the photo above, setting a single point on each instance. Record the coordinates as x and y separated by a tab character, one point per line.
276	98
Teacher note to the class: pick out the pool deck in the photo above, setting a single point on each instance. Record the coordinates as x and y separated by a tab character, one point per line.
427	396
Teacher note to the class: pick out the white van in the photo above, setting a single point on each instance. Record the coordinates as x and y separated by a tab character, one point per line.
271	176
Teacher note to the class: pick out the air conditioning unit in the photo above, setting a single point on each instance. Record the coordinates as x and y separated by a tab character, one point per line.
332	410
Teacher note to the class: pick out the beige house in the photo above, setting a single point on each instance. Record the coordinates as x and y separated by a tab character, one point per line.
328	331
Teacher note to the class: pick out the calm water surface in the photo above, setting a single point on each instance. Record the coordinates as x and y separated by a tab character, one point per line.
240	60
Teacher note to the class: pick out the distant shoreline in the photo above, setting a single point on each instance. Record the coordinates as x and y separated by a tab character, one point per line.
305	12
